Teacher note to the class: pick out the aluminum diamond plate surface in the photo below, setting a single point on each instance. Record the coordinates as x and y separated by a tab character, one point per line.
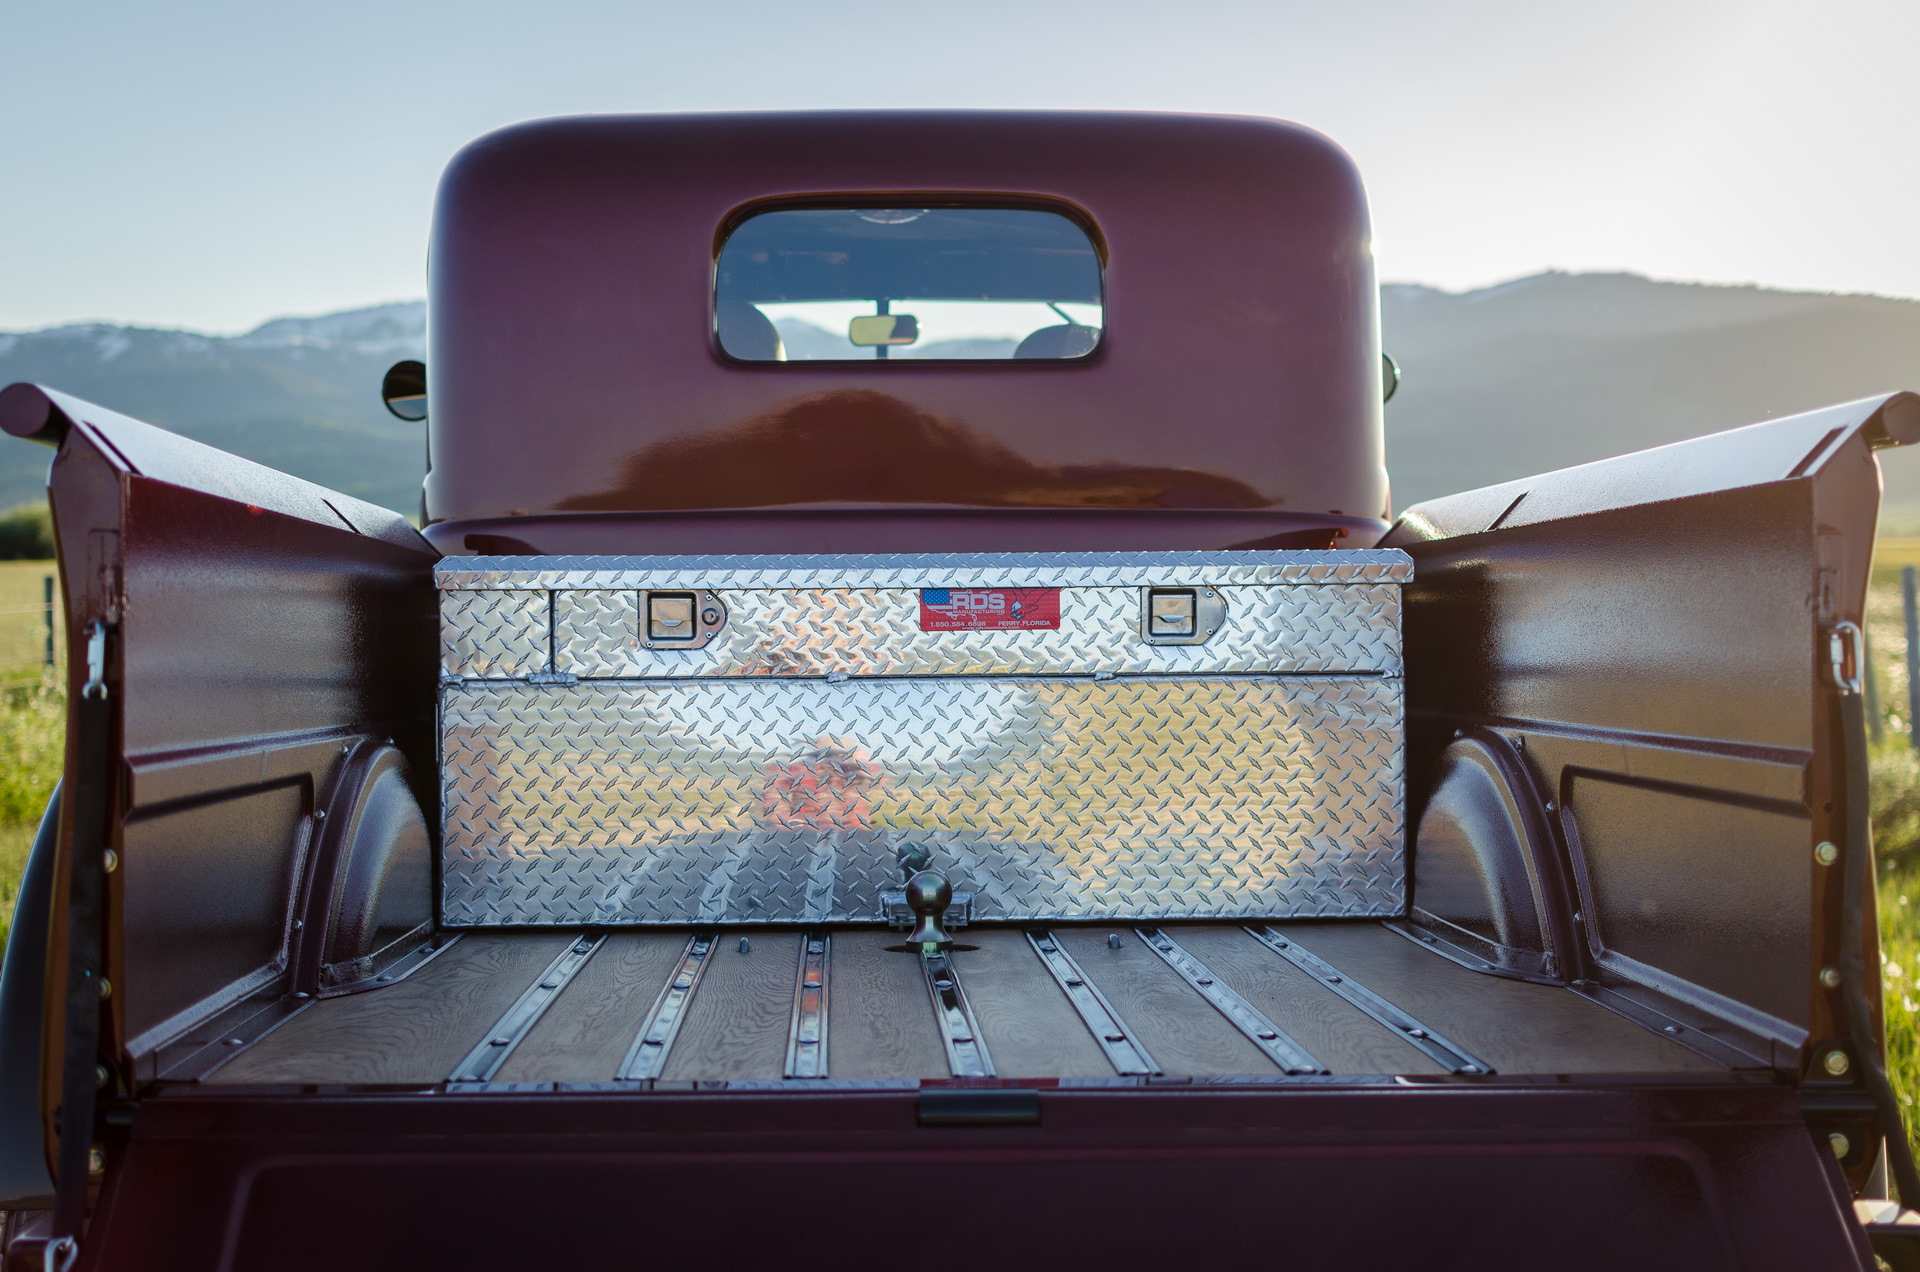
724	801
876	632
1001	569
493	635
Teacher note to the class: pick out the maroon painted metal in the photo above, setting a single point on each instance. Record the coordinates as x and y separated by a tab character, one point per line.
261	627
1441	1174
579	403
1652	634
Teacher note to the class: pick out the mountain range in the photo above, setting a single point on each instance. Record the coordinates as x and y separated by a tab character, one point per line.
300	394
1499	382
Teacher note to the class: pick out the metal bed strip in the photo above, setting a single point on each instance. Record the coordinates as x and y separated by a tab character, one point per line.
1127	1056
1691	1036
1243	1015
396	971
485	1059
966	1050
807	1035
1448	1054
647	1058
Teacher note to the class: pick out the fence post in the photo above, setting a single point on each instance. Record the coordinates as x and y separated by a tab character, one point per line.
47	590
1911	604
1876	727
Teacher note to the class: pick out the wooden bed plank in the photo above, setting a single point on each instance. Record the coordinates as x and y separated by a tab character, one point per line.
1343	1037
736	1026
880	1021
1516	1026
1032	1031
413	1031
1168	1016
585	1034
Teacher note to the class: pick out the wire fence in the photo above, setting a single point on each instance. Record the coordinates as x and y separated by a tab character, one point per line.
32	642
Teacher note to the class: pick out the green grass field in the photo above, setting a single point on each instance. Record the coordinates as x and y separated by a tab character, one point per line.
32	720
32	715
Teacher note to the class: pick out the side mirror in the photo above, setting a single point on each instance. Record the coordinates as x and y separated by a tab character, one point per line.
883	329
1389	378
405	390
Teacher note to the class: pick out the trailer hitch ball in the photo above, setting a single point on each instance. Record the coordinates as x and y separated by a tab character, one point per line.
928	895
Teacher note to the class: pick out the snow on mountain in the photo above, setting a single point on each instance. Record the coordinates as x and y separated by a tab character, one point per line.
399	329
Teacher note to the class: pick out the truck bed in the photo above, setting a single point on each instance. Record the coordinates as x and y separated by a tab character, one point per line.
881	1025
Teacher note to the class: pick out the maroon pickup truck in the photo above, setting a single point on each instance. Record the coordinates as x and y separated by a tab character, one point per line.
908	701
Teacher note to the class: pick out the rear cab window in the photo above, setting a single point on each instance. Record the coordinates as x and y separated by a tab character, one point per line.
865	284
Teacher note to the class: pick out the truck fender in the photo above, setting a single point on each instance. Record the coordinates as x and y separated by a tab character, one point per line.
1483	861
25	1183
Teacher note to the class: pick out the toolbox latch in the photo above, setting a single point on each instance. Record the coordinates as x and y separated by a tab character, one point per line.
1181	615
679	620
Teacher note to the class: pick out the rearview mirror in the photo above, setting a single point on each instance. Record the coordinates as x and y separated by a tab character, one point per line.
405	390
884	329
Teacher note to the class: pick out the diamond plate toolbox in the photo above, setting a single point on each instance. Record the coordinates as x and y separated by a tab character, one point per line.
776	772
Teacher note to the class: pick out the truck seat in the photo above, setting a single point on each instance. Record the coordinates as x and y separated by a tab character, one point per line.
748	334
1067	340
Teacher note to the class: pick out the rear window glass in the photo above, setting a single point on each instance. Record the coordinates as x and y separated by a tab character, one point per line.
866	284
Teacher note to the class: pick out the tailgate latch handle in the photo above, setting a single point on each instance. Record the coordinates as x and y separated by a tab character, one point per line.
1843	656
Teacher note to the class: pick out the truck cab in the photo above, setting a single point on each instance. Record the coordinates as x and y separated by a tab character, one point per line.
908	696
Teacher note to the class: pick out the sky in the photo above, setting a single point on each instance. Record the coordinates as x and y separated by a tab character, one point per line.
212	165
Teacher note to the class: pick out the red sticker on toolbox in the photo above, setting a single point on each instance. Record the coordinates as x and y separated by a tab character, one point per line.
992	609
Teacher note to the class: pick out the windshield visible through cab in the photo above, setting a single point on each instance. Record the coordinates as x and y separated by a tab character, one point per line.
870	284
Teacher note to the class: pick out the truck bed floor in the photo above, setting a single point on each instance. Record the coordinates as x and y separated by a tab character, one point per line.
881	1023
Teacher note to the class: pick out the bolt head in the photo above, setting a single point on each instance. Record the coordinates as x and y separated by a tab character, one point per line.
1840	1144
96	1160
1826	852
1836	1063
1830	977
